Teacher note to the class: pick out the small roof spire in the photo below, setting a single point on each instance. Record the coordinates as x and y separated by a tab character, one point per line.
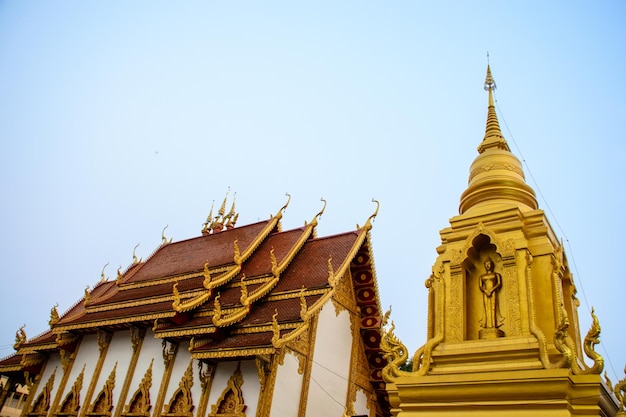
490	83
493	135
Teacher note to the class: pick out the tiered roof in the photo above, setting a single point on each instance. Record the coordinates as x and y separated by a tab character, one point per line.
233	292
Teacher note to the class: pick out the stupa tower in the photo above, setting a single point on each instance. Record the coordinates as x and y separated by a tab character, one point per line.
503	336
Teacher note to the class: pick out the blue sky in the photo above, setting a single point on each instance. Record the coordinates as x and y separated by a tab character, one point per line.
119	118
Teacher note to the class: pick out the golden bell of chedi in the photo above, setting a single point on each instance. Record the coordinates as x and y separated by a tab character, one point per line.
503	335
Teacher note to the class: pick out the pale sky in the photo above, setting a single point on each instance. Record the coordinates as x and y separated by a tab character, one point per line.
119	118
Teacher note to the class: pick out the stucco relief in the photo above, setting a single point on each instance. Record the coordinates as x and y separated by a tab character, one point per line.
231	402
456	297
512	300
42	404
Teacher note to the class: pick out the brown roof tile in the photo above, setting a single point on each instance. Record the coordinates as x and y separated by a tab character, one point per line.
191	255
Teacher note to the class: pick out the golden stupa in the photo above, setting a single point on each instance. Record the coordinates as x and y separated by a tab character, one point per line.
503	333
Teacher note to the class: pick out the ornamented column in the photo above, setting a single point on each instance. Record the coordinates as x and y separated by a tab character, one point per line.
169	354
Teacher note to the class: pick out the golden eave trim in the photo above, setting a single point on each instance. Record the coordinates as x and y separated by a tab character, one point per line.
210	283
237	314
278	341
169	279
277	270
194	302
192	331
233	353
286	295
137	302
259	292
112	322
37	348
12	368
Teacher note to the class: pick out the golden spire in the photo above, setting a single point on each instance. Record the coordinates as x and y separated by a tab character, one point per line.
205	227
493	134
222	209
496	175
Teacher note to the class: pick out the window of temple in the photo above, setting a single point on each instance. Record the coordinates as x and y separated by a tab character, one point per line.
103	403
139	404
69	407
181	404
71	404
230	403
42	403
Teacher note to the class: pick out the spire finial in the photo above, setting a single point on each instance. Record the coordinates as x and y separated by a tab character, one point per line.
490	83
493	135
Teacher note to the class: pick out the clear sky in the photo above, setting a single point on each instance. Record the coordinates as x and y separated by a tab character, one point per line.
119	118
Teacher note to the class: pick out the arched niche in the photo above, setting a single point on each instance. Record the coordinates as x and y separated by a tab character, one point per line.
482	268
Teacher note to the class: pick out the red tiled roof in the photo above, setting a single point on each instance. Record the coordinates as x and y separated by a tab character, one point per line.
275	283
191	255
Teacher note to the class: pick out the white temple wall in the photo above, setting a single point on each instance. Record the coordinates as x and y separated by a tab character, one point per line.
87	357
328	388
120	351
54	362
181	362
287	388
151	351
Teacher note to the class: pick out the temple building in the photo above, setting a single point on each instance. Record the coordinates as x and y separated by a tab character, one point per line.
239	321
256	321
503	334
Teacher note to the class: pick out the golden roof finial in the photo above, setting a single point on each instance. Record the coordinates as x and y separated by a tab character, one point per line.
176	294
244	291
304	308
493	135
87	296
54	315
275	328
490	84
135	259
164	240
207	275
222	209
205	227
283	208
368	223
20	337
102	277
318	215
222	220
231	217
217	308
119	275
237	257
274	262
332	280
